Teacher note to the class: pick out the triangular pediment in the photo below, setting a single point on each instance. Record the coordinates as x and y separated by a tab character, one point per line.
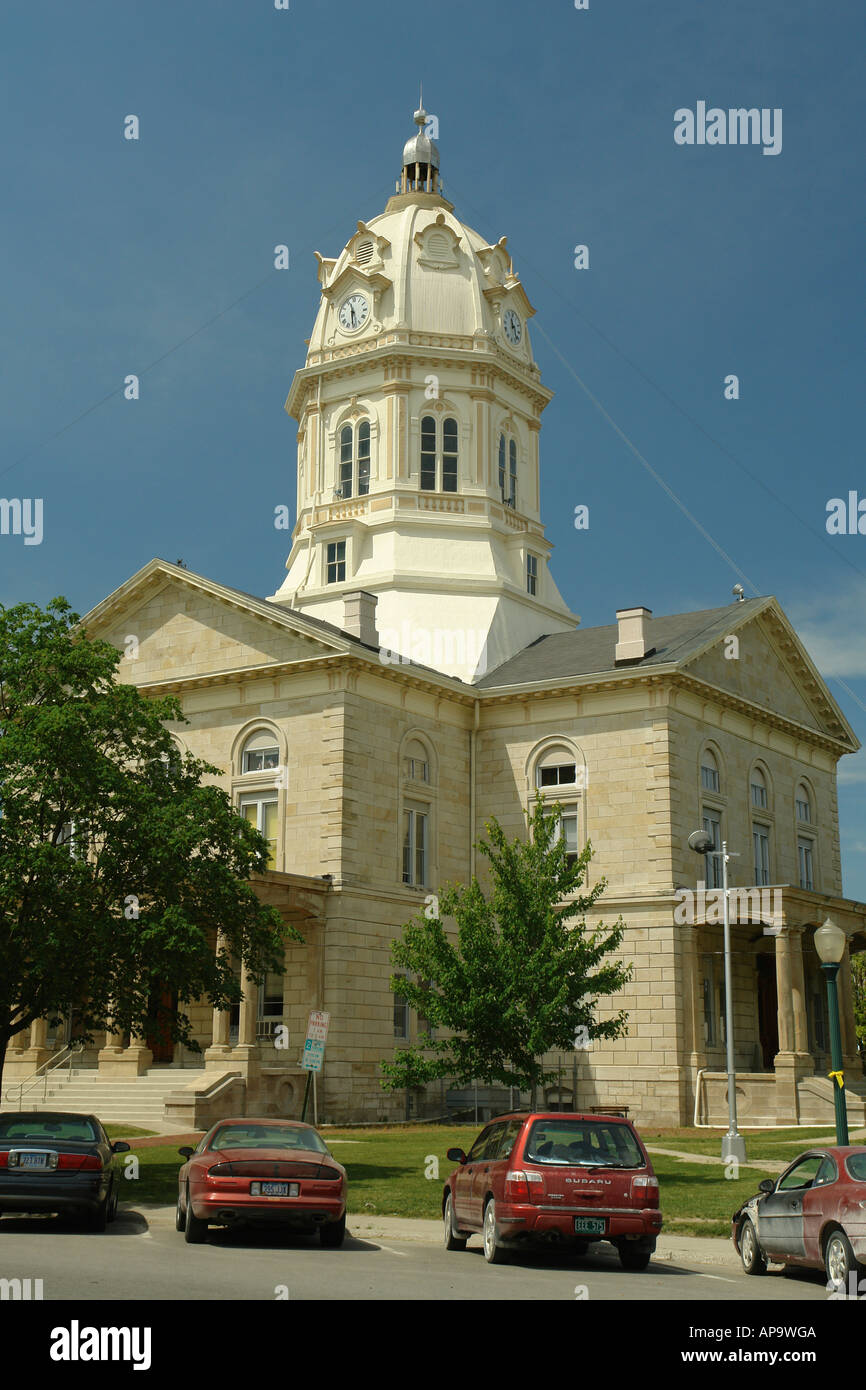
174	625
761	659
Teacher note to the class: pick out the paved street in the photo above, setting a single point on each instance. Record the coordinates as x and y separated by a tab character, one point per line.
142	1257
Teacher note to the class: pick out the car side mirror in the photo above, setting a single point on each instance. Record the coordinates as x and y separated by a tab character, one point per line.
767	1185
456	1156
186	1151
120	1147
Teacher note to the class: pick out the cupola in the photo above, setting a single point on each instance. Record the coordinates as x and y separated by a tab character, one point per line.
420	172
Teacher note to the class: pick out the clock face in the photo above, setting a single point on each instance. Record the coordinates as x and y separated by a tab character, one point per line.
354	312
512	325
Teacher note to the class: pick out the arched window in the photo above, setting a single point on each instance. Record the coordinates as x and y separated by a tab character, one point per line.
758	787
417	802
439	454
354	476
508	481
261	752
559	776
710	780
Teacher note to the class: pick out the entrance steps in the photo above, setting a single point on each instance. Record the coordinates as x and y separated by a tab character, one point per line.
138	1100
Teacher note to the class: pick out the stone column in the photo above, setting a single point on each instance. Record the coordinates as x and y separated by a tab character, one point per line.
112	1052
793	1060
136	1058
38	1052
219	1052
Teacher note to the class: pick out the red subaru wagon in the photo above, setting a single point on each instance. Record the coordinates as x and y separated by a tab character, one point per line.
559	1177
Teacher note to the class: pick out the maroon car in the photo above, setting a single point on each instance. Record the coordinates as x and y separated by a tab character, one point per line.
269	1171
814	1216
559	1177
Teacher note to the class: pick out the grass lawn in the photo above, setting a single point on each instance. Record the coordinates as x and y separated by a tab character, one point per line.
387	1177
780	1145
127	1132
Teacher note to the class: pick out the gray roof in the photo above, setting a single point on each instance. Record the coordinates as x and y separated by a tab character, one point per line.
590	651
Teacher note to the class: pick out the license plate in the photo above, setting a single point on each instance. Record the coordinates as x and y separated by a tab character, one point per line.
280	1189
32	1160
589	1225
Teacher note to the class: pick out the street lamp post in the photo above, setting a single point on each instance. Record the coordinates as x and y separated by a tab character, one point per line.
733	1143
830	942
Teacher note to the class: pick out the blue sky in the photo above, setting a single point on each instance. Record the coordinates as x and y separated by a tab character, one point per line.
556	127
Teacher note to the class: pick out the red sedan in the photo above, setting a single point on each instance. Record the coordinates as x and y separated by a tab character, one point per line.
814	1216
268	1171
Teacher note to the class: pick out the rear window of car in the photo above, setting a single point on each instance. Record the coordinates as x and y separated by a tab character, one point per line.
44	1131
856	1165
583	1143
267	1137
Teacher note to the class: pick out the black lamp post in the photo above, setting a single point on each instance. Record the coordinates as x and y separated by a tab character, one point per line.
830	942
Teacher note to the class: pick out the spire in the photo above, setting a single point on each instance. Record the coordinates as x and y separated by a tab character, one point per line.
420	172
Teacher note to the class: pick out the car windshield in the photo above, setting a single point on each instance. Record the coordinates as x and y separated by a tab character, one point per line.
45	1130
267	1137
856	1165
583	1143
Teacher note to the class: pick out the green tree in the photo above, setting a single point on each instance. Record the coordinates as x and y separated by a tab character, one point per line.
524	974
858	974
117	864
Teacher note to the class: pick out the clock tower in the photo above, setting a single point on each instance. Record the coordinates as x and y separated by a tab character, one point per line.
419	411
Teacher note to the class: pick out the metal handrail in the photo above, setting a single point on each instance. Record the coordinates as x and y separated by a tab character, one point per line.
41	1073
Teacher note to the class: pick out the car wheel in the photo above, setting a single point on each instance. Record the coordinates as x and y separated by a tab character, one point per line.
753	1258
633	1258
452	1240
195	1230
839	1259
179	1215
333	1233
494	1251
98	1218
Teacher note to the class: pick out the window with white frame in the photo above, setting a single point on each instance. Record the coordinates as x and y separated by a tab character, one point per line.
439	454
261	753
508	469
558	776
354	476
532	574
261	810
335	562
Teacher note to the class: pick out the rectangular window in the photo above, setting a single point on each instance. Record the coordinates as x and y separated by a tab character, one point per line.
513	480
428	454
759	795
709	1001
761	843
566	829
805	849
401	1017
531	574
804	812
260	759
563	775
336	562
449	456
363	464
262	813
415	848
271	996
417	769
713	827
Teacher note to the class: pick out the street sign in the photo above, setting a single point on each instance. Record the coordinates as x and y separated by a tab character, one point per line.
314	1044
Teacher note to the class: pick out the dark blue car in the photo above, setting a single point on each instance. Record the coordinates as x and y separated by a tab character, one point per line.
54	1162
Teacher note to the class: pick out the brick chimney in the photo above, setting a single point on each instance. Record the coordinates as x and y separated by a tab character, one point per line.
632	639
359	617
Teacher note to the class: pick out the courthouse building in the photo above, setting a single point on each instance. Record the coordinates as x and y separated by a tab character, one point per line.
417	672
